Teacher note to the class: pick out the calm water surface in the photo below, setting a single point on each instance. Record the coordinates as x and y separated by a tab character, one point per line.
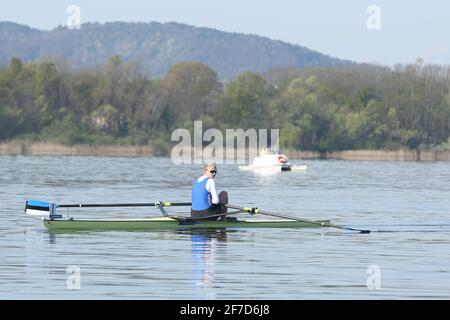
408	202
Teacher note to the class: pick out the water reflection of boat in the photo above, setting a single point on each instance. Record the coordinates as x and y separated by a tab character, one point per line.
272	160
204	245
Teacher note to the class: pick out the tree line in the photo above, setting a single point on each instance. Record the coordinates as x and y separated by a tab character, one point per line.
317	109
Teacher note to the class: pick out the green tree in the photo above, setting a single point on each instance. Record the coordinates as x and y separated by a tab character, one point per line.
190	91
245	101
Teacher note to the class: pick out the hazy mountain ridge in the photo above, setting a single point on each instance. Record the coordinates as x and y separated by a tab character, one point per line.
157	46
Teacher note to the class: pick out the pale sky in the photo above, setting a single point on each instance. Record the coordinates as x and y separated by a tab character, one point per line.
408	29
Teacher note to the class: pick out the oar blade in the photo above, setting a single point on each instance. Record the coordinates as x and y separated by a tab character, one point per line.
37	208
356	230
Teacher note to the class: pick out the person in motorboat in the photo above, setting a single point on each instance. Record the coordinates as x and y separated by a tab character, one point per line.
282	159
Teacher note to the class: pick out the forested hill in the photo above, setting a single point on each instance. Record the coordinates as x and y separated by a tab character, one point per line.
156	46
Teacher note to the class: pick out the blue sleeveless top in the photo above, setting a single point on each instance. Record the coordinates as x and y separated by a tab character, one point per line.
200	196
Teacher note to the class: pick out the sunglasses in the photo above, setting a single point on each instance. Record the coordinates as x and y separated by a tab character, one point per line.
213	171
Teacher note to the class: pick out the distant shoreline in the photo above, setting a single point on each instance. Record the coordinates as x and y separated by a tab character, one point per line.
54	149
374	155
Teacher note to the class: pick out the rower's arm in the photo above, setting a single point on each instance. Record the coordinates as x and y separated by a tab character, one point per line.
211	187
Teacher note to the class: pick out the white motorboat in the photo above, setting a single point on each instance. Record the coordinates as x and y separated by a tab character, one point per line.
272	160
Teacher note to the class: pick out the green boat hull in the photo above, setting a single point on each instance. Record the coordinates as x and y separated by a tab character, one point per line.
172	224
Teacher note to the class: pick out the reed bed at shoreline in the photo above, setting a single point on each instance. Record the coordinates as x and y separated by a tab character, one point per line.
54	149
49	149
375	155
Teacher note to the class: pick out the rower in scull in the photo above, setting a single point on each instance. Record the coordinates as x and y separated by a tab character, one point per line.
205	200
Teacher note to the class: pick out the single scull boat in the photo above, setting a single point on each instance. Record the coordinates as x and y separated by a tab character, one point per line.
54	221
167	223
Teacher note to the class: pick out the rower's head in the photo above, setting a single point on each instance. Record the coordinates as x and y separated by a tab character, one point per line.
210	170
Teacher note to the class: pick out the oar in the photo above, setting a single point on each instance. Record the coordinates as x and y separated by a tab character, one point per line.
278	215
36	207
106	205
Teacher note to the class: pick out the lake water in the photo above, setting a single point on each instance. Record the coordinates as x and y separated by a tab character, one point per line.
408	202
